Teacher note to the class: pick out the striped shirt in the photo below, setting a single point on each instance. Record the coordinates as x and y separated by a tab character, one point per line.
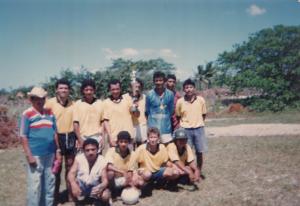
39	129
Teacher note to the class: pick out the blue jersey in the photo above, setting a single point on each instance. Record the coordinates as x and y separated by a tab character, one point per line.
159	110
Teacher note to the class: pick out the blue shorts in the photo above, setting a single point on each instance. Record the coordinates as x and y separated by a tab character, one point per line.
197	139
158	175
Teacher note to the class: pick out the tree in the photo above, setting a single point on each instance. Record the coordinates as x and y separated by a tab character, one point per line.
120	69
205	75
269	62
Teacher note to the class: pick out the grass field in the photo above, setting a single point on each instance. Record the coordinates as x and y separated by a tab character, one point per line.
239	171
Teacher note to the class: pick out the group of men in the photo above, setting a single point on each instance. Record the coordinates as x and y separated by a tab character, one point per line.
147	138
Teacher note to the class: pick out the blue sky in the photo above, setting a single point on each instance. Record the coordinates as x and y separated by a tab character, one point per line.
39	38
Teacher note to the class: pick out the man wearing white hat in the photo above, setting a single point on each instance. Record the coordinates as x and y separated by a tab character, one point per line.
39	140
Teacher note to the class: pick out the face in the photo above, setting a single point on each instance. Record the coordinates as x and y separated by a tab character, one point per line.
170	84
88	92
136	88
180	143
159	82
153	139
90	152
123	144
63	91
115	90
38	103
189	90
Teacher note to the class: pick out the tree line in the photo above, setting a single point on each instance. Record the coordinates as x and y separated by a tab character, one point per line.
267	63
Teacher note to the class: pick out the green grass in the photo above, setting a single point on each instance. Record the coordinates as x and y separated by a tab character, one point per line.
239	171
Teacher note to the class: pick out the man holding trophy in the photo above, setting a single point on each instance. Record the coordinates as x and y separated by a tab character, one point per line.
137	109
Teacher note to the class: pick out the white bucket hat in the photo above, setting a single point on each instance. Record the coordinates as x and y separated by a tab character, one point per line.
37	92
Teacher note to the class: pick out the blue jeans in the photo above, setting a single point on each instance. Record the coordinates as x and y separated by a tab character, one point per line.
197	139
41	182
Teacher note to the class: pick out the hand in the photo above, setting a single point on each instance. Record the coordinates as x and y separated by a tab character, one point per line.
76	191
31	161
112	143
97	190
58	155
79	144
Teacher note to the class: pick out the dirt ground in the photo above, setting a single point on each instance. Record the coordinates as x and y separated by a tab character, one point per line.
253	130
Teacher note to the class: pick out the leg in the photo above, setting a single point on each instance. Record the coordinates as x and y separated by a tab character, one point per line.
170	173
200	147
49	180
34	175
69	159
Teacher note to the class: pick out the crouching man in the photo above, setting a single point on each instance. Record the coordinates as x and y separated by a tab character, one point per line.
121	165
181	154
88	175
152	158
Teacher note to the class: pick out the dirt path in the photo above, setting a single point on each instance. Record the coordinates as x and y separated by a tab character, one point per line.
250	130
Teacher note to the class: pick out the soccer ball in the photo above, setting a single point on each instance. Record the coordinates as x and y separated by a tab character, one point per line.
130	195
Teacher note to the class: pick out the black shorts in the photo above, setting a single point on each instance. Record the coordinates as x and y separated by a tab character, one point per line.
67	143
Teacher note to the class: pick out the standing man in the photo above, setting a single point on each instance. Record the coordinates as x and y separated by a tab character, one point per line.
87	114
137	110
39	140
62	107
88	175
171	85
191	110
117	116
160	107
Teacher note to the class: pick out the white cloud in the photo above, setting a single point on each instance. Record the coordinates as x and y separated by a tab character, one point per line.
138	53
129	52
255	10
167	53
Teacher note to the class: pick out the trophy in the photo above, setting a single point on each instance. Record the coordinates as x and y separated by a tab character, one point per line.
135	92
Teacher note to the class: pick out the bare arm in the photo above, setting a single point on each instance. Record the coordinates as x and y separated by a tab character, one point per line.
77	132
30	159
76	191
108	132
111	167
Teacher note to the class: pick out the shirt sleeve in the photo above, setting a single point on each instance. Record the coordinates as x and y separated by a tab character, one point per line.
147	107
177	109
172	152
105	111
109	156
132	162
203	107
190	154
171	103
75	113
24	126
165	155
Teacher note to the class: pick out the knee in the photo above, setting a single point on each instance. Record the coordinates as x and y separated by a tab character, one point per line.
146	175
69	162
110	175
105	195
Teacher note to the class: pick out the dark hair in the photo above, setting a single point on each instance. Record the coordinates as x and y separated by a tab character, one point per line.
171	76
113	81
87	82
140	82
90	141
124	135
188	82
159	74
62	81
153	130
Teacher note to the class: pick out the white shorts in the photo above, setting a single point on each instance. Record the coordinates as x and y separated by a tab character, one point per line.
166	138
140	133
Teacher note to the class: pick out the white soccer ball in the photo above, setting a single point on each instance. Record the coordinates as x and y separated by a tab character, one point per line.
130	195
